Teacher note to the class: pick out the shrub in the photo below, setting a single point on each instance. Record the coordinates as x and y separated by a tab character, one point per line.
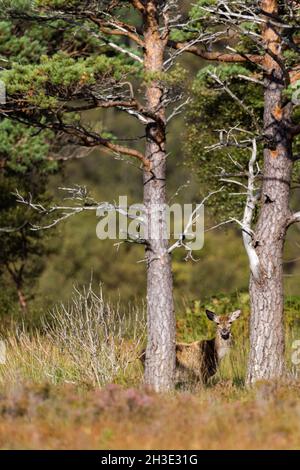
84	342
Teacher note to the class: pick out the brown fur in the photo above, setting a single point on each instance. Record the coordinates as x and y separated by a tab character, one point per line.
196	362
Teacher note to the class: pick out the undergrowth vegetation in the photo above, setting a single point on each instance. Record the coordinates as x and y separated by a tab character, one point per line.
221	417
88	342
75	381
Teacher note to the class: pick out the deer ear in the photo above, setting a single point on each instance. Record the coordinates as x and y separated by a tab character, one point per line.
235	315
211	316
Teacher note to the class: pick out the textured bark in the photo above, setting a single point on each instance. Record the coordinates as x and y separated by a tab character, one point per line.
160	352
266	293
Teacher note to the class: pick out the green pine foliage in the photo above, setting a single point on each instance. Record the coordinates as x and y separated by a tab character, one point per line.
229	109
61	77
60	61
23	251
23	150
213	112
24	167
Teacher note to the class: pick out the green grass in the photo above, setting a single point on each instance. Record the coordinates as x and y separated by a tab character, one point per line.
56	393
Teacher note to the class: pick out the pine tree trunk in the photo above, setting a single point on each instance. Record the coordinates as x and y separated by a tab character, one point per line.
266	293
160	351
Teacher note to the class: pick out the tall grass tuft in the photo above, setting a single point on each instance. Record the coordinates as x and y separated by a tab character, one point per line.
86	342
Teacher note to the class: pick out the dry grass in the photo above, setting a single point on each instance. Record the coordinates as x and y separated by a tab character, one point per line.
224	417
87	342
56	392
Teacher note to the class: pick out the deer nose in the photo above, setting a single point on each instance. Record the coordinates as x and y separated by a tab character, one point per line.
225	334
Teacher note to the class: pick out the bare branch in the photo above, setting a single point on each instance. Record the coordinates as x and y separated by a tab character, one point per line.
251	79
192	220
248	216
84	203
294	219
214	55
12	229
230	181
64	211
118	48
215	77
177	110
228	138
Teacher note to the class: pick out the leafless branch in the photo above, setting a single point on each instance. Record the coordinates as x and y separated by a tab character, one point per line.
192	220
251	201
249	111
12	229
177	110
294	219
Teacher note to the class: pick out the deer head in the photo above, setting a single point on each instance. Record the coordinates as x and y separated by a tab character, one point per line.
223	322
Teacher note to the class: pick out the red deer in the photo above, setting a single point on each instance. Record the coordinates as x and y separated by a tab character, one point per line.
198	361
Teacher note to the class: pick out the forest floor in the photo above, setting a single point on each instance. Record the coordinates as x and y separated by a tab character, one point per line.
220	417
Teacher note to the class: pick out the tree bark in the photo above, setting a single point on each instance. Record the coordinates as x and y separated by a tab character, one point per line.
160	351
266	359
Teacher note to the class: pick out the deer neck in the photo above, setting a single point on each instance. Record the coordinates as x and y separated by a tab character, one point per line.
222	346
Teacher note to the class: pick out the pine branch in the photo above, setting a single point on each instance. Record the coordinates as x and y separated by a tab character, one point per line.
215	56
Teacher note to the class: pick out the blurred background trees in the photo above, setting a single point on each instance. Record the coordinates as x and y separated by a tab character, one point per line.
23	251
222	265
